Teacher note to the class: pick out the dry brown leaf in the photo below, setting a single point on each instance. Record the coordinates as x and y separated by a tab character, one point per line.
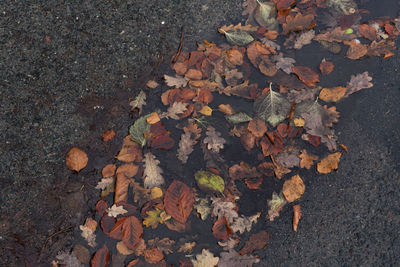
205	259
356	50
332	94
257	127
293	188
329	163
108	170
367	31
226	108
358	82
178	201
213	140
247	28
256	241
193	74
123	249
176	81
130	151
296	217
298	22
306	75
326	67
121	188
153	118
152	172
101	258
129	170
336	35
234	56
306	160
152	84
76	159
153	255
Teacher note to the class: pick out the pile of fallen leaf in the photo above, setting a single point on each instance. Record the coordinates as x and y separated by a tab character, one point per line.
291	115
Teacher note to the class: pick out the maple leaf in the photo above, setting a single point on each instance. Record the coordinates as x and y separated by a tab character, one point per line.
115	210
213	140
275	205
304	39
139	102
174	110
176	81
284	63
358	82
272	107
152	172
205	259
202	207
244	223
104	183
225	209
233	259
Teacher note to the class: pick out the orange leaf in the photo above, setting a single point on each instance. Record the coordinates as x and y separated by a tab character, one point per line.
108	170
329	163
367	31
221	229
153	118
344	147
132	231
306	75
121	187
293	188
76	159
356	50
306	160
234	57
205	95
129	170
130	151
332	94
226	108
193	74
153	255
326	67
101	258
108	135
257	127
298	22
180	68
178	201
254	183
152	84
296	216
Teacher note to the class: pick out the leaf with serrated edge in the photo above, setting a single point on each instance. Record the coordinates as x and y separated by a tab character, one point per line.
152	172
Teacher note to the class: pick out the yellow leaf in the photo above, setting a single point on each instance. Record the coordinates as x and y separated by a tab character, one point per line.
153	218
153	118
226	108
156	192
206	110
299	122
293	188
329	163
332	94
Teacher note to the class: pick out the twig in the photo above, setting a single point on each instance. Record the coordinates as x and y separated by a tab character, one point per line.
175	58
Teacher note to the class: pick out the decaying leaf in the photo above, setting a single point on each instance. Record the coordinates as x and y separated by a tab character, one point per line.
296	217
138	129
356	49
329	163
88	230
275	205
332	94
152	172
226	108
225	209
132	231
208	181
293	188
256	241
221	229
213	140
122	249
306	75
139	102
238	118
115	210
358	82
234	259
265	15
69	259
257	127
326	67
153	118
306	160
101	258
178	201
176	109
284	63
272	107
177	81
244	223
205	259
187	247
76	159
298	22
304	39
104	183
238	35
153	255
202	207
108	135
153	218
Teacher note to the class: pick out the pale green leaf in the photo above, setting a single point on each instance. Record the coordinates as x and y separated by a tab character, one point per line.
238	118
138	129
240	38
208	181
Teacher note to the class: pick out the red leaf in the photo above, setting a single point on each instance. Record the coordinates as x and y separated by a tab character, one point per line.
314	140
163	142
108	135
132	231
107	223
116	231
306	75
101	258
326	67
367	31
101	207
221	229
255	242
178	201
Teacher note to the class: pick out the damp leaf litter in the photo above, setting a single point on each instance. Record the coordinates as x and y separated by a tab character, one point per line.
231	118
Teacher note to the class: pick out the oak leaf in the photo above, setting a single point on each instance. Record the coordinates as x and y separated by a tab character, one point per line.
202	207
139	102
213	140
358	82
178	201
275	205
115	210
152	172
244	223
304	39
76	159
225	209
173	111
293	188
153	218
176	81
306	160
234	259
205	259
104	183
329	163
284	63
88	230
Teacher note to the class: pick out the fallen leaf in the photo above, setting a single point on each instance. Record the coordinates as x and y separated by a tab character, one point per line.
344	147
356	49
153	255
238	118
108	170
165	245
132	231
306	75
152	172
176	109
138	129
332	94
139	102
108	135
178	201
296	217
130	151
265	15
226	108
224	209
244	223
153	218
275	205
121	248
367	31
221	229
152	84
101	258
122	183
205	259
115	210
153	118
358	82
76	159
193	74
298	22
257	127
176	81
256	49
206	111
304	39
326	67
208	181
306	160
88	230
335	35
187	247
256	241
202	207
284	63
234	259
293	188
213	140
329	163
